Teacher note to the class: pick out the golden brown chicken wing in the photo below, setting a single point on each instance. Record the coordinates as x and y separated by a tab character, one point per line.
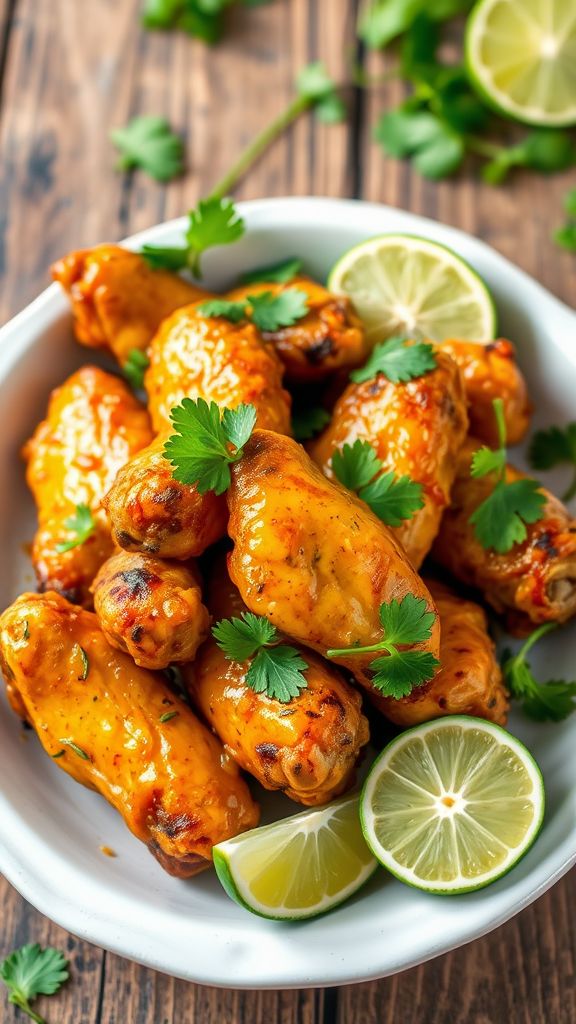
329	337
93	425
208	357
310	556
118	300
469	681
536	580
491	371
307	748
120	730
416	429
150	608
150	511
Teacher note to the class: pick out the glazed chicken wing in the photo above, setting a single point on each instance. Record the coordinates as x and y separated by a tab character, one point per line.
469	681
101	717
150	608
416	429
310	556
329	337
307	748
533	582
491	371
118	300
93	426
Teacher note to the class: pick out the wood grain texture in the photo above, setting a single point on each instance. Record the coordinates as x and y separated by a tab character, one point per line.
70	71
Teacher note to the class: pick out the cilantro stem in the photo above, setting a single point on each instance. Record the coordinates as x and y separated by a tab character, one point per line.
534	638
380	646
489	150
24	1005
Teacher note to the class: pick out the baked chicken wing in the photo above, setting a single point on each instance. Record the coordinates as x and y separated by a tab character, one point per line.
416	429
118	300
150	608
93	426
307	748
536	580
310	556
329	337
110	725
491	371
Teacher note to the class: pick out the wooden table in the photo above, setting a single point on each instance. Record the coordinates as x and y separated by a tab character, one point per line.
69	71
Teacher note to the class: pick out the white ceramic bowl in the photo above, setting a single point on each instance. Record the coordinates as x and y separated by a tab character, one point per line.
51	828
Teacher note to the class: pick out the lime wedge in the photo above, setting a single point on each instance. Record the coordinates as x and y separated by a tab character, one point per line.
521	57
402	284
300	866
452	805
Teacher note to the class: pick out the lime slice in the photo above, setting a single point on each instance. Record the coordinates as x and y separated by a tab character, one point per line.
452	805
300	866
521	57
402	284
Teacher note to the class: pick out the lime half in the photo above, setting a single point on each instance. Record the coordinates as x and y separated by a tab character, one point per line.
452	805
521	57
300	866
402	284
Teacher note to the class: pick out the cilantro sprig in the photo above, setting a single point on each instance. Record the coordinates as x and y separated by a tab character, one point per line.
268	312
397	361
552	701
135	367
393	499
276	669
149	143
82	524
207	440
566	235
405	622
214	221
555	446
280	273
306	423
202	19
30	972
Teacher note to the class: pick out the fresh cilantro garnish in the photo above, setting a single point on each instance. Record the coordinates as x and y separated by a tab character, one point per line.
276	669
316	87
546	150
267	311
382	20
149	143
233	311
566	235
555	446
435	147
393	499
202	19
306	423
405	622
134	368
500	520
398	361
212	222
279	273
30	972
82	523
206	442
552	701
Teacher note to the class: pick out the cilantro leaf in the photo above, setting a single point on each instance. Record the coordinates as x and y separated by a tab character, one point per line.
486	460
551	701
393	499
566	236
82	523
555	446
306	423
134	368
149	144
499	521
200	450
240	638
233	311
398	361
197	18
279	273
30	972
355	465
314	84
212	222
399	672
383	20
436	147
276	669
407	621
269	312
546	150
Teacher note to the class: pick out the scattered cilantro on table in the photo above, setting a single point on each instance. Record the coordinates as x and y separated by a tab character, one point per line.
393	499
566	235
276	669
30	972
148	143
203	19
552	701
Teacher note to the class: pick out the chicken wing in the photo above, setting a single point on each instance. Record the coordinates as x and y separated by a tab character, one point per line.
491	371
535	581
469	681
329	337
310	556
111	726
150	608
416	429
118	300
93	425
307	748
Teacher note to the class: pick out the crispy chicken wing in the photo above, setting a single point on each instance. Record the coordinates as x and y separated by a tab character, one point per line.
101	717
307	748
310	556
416	429
491	371
536	580
329	337
118	300
150	608
93	425
469	681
